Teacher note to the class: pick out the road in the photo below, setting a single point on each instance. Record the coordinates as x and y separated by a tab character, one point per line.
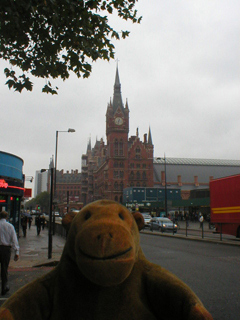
211	270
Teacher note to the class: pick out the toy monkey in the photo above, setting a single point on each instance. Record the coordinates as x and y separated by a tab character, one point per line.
103	274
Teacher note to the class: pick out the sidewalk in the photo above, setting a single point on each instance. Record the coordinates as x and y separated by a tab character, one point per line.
34	249
33	261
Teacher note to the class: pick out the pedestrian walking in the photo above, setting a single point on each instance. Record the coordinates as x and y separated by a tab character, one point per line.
38	224
24	222
201	219
8	240
29	222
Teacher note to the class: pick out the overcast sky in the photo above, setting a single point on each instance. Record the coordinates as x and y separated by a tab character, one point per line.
179	70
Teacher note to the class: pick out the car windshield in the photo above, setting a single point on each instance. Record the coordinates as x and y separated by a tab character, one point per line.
164	220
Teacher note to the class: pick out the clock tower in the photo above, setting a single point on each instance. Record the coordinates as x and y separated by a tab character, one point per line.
117	128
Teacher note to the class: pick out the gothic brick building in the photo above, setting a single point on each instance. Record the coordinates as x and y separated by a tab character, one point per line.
122	162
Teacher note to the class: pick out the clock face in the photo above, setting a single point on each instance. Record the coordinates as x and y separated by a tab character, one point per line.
119	121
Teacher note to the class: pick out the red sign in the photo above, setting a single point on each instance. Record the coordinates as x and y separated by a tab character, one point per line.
27	193
3	183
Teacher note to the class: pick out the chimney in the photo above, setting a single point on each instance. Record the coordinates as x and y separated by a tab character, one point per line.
145	138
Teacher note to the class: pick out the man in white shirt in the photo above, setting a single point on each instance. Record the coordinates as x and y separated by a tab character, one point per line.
8	240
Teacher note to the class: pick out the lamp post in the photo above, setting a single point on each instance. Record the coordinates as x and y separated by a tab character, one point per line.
50	216
165	169
165	173
55	171
55	176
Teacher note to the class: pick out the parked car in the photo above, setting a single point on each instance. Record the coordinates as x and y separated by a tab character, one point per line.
162	224
147	218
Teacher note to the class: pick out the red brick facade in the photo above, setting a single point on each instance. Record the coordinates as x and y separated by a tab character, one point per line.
109	168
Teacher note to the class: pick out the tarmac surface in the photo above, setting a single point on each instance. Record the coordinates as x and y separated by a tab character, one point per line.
33	261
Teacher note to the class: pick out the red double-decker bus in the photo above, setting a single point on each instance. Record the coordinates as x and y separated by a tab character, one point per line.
225	204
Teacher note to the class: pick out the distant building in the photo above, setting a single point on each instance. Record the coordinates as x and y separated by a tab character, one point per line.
127	162
191	174
68	189
41	180
122	162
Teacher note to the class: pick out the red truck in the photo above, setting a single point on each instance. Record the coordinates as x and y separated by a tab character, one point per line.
225	204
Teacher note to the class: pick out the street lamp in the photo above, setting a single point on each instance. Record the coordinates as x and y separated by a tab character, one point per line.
50	216
55	171
165	173
55	176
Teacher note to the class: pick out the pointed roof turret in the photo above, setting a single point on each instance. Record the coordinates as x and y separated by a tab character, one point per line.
117	96
149	137
89	147
126	105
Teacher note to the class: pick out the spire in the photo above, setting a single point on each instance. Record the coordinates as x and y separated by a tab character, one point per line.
126	105
117	97
149	137
89	147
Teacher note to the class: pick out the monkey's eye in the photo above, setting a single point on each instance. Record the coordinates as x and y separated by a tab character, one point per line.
121	216
87	215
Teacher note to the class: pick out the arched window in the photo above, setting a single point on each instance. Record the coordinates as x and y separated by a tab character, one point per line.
121	147
121	186
138	175
116	147
138	153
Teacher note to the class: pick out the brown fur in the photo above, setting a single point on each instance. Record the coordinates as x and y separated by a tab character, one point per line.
103	274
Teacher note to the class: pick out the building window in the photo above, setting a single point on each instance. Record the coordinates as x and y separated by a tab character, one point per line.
115	174
138	153
116	147
144	166
131	165
121	165
106	186
138	175
121	147
131	175
116	186
144	176
115	165
116	198
121	186
138	165
121	174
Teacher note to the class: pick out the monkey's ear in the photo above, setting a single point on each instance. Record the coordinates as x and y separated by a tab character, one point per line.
139	219
67	220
